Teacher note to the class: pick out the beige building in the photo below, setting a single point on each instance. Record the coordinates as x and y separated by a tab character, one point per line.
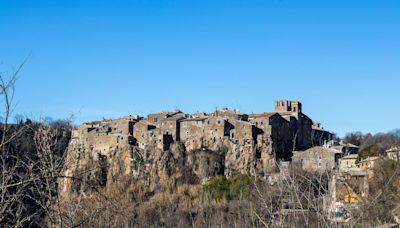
345	148
393	153
348	163
368	165
192	132
316	159
215	130
243	132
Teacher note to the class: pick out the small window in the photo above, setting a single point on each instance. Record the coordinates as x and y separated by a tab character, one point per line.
155	120
219	122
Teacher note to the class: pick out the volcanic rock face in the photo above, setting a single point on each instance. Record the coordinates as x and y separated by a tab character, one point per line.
88	169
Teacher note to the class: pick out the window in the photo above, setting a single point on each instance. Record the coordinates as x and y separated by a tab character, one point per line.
155	120
219	122
294	109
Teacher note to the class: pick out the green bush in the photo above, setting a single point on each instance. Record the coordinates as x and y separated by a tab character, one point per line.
370	151
234	187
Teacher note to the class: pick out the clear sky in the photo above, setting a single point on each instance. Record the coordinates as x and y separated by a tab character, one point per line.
97	59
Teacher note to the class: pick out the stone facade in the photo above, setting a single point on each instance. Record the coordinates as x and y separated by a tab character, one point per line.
320	135
264	137
348	163
192	132
393	153
368	165
317	159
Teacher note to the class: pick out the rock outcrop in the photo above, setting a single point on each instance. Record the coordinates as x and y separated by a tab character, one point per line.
87	170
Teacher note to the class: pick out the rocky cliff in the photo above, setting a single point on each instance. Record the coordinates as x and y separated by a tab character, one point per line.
87	170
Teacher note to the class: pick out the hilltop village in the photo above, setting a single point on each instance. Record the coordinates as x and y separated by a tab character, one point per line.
274	135
168	149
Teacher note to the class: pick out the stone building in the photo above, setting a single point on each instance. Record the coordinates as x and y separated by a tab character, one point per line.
192	132
301	124
393	153
170	126
345	148
156	117
230	115
257	138
368	165
274	130
242	132
317	159
348	163
103	137
319	135
144	133
216	128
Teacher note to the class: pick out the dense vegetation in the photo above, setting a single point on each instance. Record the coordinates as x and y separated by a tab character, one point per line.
31	160
383	140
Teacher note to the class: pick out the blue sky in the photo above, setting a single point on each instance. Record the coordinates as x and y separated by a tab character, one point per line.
99	59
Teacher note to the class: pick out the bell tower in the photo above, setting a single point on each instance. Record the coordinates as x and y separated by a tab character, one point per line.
288	106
